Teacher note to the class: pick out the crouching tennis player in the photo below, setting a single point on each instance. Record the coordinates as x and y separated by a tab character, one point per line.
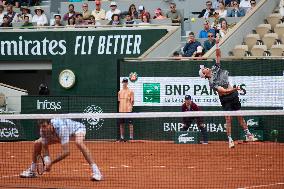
59	131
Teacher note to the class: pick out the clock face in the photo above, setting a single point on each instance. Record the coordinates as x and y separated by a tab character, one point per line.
67	79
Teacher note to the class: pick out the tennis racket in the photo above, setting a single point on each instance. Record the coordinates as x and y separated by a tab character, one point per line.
40	166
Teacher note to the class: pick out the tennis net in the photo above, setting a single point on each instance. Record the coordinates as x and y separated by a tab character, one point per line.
165	150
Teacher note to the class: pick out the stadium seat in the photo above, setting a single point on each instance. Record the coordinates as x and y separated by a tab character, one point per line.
277	50
251	40
258	50
263	29
269	39
274	19
279	29
240	51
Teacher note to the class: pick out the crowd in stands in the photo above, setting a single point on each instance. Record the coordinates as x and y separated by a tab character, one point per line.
219	10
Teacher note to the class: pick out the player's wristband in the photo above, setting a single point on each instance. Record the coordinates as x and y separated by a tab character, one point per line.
47	159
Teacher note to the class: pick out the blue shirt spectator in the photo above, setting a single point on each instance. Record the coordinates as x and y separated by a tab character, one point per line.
209	43
191	46
204	33
236	11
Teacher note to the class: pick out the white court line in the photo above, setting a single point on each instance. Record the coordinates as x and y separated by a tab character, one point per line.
125	166
8	176
260	186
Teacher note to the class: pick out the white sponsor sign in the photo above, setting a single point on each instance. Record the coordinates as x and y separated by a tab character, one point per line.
258	91
184	138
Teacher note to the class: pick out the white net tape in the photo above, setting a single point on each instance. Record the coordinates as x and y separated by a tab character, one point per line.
145	114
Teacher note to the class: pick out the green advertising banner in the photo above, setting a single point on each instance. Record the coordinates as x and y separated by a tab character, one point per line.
161	86
90	54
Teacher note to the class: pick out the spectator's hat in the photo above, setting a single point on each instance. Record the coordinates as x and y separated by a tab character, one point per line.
124	80
199	49
187	97
98	2
39	8
141	8
113	3
158	10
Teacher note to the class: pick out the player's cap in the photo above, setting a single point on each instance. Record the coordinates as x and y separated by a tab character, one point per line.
187	97
124	80
113	3
141	7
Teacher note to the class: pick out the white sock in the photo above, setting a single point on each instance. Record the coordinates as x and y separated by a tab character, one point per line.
230	138
33	167
121	136
247	132
94	167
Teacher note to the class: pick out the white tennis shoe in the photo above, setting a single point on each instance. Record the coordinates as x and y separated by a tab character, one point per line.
28	174
97	176
251	138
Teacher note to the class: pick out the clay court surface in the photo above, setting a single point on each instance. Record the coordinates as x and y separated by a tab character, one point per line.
152	165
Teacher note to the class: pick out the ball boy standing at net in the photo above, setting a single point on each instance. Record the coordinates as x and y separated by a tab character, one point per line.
228	95
188	105
59	131
126	102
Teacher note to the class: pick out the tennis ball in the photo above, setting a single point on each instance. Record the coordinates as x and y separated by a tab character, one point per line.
274	132
192	19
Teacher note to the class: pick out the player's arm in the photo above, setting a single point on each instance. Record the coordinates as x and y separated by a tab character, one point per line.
65	152
223	91
218	51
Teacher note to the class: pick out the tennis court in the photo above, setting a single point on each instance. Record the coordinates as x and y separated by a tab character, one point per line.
146	164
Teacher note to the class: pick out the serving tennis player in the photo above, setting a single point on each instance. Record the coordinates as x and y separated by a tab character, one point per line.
228	95
59	131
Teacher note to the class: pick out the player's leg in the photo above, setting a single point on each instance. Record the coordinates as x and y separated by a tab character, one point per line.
186	123
79	140
131	129
249	136
31	171
229	131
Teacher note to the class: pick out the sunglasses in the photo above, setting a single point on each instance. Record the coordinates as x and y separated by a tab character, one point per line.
208	4
210	35
172	7
235	4
252	3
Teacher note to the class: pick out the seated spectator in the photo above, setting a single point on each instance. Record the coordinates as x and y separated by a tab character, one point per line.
99	13
1	13
253	4
33	2
25	12
159	14
75	0
70	13
57	20
191	46
174	14
132	11
236	11
208	12
215	4
113	10
228	3
115	20
145	21
80	20
86	13
222	12
224	28
27	23
142	12
12	15
204	33
6	22
129	20
177	56
93	21
40	18
210	42
245	4
71	22
198	52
